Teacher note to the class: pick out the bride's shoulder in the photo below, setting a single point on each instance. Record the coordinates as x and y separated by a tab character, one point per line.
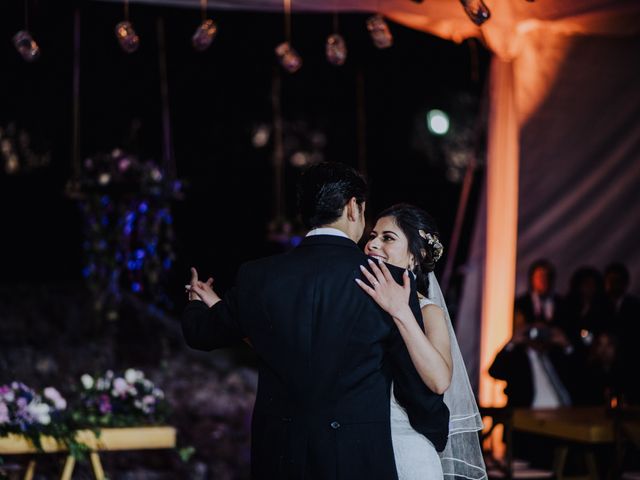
425	302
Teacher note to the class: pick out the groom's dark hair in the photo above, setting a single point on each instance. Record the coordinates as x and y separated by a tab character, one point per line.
324	189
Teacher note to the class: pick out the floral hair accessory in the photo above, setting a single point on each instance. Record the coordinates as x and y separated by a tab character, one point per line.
434	243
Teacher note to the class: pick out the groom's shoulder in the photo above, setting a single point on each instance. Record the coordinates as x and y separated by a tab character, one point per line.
261	263
333	256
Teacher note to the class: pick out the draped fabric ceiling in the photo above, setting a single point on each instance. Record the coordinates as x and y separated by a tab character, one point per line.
530	42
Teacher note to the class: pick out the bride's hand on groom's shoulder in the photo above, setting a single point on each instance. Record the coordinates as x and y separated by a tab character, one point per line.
202	291
392	297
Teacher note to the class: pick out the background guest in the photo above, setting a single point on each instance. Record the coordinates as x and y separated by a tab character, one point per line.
602	373
625	321
539	366
540	303
585	311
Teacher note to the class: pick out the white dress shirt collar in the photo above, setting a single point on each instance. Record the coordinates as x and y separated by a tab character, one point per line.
327	231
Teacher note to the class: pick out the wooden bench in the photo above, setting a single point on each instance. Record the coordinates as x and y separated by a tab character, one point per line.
109	440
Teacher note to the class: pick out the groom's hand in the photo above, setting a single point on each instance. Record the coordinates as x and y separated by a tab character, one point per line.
202	290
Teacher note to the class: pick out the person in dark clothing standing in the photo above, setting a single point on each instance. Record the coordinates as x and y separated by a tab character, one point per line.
625	322
585	311
540	303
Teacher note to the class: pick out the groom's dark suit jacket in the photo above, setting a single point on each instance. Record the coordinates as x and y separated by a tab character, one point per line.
327	356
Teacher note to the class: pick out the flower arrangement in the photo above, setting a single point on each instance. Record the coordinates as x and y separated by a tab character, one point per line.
102	401
25	412
129	247
125	400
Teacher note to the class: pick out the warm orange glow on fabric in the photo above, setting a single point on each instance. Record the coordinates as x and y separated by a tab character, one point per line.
502	227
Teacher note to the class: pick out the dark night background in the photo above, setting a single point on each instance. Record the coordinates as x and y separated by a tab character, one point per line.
217	98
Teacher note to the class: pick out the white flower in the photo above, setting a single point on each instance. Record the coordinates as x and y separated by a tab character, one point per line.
132	375
39	412
102	384
53	395
87	381
9	396
120	386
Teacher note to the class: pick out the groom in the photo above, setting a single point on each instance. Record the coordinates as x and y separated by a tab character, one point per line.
327	352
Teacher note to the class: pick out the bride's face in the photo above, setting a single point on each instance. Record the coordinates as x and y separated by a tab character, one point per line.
388	243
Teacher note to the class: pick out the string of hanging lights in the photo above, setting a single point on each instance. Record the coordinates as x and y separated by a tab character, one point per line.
288	57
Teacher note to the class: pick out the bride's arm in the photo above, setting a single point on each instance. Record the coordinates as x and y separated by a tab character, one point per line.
430	350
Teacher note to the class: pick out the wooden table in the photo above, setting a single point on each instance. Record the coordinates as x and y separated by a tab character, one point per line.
110	439
586	427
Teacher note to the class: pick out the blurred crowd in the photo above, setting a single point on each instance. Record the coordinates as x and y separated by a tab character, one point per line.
578	349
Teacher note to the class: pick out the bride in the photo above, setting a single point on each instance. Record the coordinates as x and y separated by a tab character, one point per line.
406	236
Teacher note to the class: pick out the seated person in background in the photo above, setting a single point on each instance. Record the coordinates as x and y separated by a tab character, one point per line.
539	367
585	311
625	321
540	303
602	375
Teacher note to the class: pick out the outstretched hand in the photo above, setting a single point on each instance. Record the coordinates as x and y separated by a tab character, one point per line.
201	290
392	297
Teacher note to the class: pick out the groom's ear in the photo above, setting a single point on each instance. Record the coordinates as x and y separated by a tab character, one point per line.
353	209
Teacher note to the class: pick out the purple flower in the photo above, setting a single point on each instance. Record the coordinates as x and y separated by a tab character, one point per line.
4	413
105	404
120	387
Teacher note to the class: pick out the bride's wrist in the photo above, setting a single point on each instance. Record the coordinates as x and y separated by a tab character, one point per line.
403	314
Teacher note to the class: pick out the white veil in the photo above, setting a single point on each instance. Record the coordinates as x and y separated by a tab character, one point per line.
462	457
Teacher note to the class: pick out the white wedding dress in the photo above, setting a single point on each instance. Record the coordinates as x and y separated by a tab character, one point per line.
416	457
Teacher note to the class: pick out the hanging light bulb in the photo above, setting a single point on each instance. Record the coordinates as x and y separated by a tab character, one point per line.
288	57
26	46
204	35
477	11
379	31
127	37
206	31
336	49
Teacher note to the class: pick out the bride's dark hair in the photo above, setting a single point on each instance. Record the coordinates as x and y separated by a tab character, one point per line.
417	224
